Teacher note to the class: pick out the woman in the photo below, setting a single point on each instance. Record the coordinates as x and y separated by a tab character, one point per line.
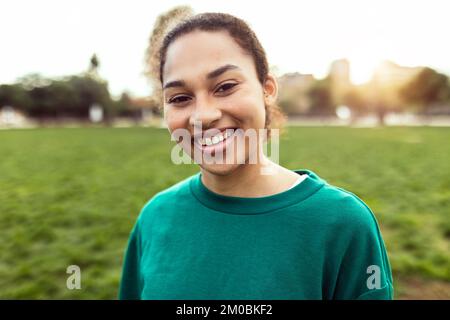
240	229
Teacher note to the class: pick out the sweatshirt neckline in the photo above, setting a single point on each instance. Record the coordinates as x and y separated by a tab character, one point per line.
256	205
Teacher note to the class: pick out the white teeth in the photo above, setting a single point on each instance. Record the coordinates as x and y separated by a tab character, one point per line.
215	139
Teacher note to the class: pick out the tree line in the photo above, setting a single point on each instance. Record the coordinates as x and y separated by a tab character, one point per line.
67	97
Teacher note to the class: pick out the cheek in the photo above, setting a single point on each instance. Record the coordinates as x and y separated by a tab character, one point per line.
250	110
176	119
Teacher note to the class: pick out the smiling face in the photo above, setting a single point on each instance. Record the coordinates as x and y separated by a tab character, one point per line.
208	79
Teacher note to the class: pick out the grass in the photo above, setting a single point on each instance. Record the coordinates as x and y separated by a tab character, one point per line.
71	196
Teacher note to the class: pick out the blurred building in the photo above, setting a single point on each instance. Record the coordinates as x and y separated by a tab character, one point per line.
12	117
387	81
293	92
340	83
390	73
145	108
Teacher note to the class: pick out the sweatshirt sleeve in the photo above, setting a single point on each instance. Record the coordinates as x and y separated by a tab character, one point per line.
364	272
130	284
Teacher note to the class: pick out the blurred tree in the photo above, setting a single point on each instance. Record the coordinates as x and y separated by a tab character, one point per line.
16	96
91	91
94	62
294	100
124	106
92	70
321	98
427	88
43	102
356	99
382	91
33	80
67	97
293	92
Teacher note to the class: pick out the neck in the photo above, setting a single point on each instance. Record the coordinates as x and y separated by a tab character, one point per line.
247	180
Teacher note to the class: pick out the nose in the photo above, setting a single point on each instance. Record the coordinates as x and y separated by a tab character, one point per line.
205	114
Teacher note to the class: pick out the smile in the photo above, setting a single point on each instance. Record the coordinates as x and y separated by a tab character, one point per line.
214	139
215	143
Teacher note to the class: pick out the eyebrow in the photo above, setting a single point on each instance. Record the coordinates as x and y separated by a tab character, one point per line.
219	71
211	75
173	84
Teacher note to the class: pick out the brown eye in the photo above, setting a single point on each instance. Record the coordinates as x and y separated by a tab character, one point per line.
226	87
178	99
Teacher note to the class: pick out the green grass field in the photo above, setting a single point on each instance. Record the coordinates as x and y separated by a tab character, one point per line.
71	196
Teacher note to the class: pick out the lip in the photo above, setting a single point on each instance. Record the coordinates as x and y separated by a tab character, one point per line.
218	147
211	132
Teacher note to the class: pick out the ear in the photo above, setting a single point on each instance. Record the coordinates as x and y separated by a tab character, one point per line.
270	88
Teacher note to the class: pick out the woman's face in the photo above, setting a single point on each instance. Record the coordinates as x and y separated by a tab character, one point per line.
210	81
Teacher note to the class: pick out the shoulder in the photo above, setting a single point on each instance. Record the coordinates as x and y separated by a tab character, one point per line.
351	228
345	210
167	197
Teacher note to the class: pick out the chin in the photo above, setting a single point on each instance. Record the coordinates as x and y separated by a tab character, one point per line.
220	169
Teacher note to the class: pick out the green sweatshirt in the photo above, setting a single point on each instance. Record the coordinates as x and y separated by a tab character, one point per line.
313	241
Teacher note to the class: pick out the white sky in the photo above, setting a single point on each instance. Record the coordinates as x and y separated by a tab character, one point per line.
57	37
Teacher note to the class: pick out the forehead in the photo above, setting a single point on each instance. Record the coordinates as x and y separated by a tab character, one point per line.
198	52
